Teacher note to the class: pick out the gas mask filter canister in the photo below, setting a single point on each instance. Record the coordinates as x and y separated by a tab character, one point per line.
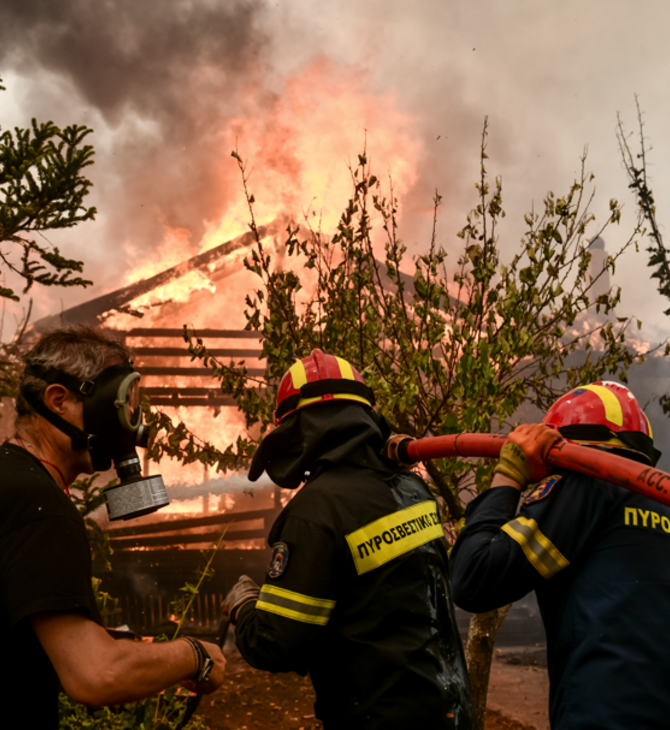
113	429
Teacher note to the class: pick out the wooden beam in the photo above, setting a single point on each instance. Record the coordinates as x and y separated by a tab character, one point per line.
220	334
175	401
190	372
205	392
90	311
184	524
183	352
187	539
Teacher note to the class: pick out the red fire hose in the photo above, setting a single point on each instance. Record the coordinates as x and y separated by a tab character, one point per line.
639	478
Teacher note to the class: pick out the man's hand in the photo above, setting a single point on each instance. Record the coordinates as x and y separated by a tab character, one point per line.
96	670
523	458
242	592
215	676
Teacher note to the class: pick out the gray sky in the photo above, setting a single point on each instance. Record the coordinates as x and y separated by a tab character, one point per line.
167	86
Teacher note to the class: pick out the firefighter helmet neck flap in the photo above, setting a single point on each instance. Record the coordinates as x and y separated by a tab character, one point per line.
606	415
113	428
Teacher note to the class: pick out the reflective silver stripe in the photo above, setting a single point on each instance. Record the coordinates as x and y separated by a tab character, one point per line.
542	554
296	606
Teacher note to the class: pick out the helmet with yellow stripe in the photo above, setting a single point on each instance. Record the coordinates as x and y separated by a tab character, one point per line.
605	414
320	378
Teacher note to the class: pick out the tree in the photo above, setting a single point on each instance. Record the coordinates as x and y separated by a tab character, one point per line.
635	165
42	188
636	169
445	352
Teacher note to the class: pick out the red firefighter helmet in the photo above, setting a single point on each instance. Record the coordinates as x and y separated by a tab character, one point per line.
604	414
317	379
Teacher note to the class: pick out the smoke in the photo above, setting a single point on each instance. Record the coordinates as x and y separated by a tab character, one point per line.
157	81
125	55
161	82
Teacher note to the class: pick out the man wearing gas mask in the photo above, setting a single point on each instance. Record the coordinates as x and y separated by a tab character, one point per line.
74	415
357	590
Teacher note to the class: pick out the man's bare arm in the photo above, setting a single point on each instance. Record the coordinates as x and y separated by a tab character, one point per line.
94	669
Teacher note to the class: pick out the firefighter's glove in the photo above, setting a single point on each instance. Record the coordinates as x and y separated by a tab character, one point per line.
523	458
242	592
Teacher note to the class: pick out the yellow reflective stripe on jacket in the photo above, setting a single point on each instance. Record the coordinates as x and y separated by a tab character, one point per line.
394	535
294	605
542	554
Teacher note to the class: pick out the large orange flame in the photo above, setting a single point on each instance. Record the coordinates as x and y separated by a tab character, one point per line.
298	147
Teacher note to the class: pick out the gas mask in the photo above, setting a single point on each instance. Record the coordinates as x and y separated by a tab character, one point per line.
113	429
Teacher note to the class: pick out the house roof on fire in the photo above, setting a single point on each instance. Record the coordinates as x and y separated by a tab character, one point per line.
212	261
215	262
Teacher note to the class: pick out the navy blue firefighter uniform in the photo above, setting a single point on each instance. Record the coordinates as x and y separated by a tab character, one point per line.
596	556
359	596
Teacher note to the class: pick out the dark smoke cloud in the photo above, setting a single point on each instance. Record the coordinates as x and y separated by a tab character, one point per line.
160	81
170	72
124	54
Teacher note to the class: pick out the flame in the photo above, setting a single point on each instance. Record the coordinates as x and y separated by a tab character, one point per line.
298	148
172	250
301	145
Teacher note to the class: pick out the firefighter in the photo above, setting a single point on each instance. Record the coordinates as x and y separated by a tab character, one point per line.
595	555
357	590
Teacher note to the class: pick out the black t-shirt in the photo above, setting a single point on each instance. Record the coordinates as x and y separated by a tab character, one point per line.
45	565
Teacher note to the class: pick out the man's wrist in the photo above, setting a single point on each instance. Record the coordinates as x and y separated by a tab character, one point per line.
195	655
502	480
203	662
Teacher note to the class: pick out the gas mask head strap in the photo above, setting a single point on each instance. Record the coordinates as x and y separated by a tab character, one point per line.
52	375
80	439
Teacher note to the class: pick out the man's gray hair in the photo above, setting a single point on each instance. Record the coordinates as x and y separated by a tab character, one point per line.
78	350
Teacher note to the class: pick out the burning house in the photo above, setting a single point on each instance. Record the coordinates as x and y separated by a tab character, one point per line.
156	554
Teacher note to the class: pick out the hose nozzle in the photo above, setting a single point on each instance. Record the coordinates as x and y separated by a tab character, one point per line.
396	450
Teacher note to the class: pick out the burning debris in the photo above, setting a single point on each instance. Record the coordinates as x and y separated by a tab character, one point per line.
217	263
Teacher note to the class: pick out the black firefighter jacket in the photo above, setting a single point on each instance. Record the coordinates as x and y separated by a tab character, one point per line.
363	605
598	558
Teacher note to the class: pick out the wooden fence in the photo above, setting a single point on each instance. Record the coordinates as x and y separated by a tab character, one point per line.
152	561
195	530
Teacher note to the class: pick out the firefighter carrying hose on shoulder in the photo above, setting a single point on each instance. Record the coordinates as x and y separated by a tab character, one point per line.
595	554
357	591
